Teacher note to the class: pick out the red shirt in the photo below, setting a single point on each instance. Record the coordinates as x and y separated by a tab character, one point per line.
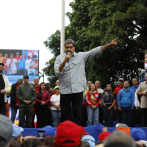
5	65
116	90
17	58
92	98
37	88
45	97
52	92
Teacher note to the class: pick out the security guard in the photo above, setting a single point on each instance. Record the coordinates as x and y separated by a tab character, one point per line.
26	94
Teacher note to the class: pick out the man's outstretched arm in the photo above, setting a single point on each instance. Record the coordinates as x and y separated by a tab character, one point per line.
113	43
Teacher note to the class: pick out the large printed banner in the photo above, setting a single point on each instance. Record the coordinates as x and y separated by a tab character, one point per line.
20	62
16	64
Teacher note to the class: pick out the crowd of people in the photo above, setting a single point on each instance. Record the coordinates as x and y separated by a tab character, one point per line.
121	103
69	134
101	105
64	107
19	64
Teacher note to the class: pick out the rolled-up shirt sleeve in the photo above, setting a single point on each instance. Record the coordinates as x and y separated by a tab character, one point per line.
56	67
90	54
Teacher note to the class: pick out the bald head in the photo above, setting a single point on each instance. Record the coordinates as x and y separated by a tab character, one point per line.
57	83
97	84
36	81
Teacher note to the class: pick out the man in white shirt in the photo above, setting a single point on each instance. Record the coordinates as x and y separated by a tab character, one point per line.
12	65
5	87
34	64
98	85
99	90
28	63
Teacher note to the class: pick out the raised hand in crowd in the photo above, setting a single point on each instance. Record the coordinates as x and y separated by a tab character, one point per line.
28	137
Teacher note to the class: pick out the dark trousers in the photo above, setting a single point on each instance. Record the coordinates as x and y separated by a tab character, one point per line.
136	117
76	99
33	125
144	116
3	108
108	116
118	115
13	113
50	120
42	115
126	113
28	111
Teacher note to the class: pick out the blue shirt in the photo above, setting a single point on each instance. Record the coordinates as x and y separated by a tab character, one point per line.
134	88
21	64
73	78
24	59
125	98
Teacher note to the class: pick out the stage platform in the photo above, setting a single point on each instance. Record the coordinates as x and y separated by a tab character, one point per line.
94	131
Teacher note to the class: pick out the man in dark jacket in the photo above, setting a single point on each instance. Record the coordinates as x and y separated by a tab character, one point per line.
26	94
14	100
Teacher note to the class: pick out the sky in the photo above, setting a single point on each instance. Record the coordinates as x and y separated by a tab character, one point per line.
26	24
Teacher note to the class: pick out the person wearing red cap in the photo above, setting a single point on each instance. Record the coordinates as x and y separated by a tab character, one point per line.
67	135
82	132
102	136
116	90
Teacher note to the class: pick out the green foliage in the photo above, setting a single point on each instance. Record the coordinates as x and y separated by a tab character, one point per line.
95	23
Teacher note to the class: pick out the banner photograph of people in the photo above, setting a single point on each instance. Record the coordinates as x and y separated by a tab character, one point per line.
20	62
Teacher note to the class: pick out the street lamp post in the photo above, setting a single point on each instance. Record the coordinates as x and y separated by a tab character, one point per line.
62	40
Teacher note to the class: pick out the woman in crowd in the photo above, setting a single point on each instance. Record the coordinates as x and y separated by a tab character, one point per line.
93	101
42	100
55	108
108	100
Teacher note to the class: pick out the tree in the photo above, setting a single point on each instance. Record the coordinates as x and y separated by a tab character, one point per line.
97	22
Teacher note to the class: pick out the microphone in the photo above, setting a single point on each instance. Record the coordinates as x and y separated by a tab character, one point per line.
68	53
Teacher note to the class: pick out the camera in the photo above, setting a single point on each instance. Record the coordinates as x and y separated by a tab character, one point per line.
41	133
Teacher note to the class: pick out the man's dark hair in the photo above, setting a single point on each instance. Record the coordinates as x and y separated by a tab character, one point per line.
47	84
40	91
69	41
85	144
20	80
15	144
119	137
48	140
127	81
135	78
32	142
108	84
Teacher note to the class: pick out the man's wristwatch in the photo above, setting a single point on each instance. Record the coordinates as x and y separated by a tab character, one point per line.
108	45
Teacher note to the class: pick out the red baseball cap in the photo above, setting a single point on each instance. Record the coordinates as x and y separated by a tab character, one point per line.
82	130
102	136
67	134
